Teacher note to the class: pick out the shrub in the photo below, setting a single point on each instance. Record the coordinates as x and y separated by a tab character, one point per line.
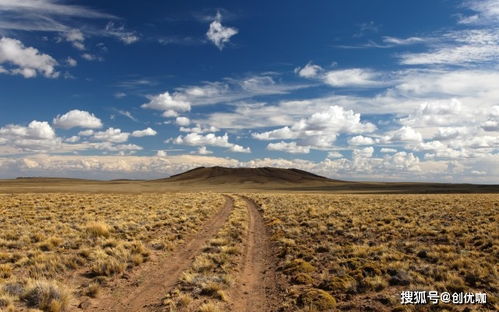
46	296
317	299
97	229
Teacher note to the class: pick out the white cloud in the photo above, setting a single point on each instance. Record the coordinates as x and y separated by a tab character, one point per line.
77	118
37	136
219	34
227	92
404	134
387	150
35	130
202	150
182	121
86	132
365	152
199	129
334	154
320	129
76	38
143	133
111	135
486	12
402	41
354	77
50	7
161	153
119	32
360	140
71	62
91	57
167	103
461	48
288	147
25	61
309	71
196	139
239	149
72	139
127	114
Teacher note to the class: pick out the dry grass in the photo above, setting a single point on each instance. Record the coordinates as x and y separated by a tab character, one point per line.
45	238
205	285
362	250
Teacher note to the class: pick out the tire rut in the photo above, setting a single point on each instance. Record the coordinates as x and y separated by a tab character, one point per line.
159	278
256	283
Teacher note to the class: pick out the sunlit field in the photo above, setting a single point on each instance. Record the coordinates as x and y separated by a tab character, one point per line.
69	251
358	252
57	246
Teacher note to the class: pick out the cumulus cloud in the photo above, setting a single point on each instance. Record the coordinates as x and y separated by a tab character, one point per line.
25	61
35	130
37	136
309	71
289	147
334	154
440	113
182	121
111	135
71	62
360	140
404	134
77	118
210	139
204	151
321	128
143	133
219	34
167	103
199	129
76	38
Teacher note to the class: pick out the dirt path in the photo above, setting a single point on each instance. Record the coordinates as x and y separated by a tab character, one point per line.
255	288
157	278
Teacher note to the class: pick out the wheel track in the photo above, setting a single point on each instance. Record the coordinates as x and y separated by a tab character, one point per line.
256	285
159	278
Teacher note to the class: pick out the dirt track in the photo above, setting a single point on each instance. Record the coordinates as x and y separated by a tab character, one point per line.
256	283
156	279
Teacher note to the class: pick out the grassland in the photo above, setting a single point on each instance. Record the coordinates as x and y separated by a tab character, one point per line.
55	247
322	252
206	285
358	252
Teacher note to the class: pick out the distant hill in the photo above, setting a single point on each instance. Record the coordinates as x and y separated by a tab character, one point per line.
264	175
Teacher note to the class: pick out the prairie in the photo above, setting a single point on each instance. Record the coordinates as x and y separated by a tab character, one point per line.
358	252
54	247
244	251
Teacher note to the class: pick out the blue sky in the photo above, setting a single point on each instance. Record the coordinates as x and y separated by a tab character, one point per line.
360	90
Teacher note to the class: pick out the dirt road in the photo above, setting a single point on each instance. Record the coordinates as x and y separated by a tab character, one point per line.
255	286
155	279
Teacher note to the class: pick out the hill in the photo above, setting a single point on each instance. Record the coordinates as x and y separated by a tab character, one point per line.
265	175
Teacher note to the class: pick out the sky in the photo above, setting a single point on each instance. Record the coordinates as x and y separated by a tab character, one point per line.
358	90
